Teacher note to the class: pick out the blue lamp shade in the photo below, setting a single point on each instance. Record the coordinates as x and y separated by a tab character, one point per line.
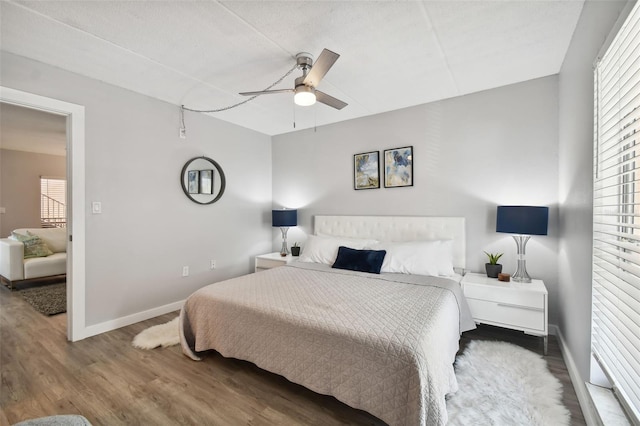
284	218
523	220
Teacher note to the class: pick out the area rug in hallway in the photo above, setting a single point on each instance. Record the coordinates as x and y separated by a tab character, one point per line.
504	384
48	299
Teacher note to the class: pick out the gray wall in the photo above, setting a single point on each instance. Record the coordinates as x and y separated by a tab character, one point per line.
576	178
148	230
20	174
471	154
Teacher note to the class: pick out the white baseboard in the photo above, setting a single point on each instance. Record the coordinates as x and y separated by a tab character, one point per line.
96	329
588	409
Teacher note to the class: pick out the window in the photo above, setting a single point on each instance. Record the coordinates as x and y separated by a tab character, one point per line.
615	340
53	209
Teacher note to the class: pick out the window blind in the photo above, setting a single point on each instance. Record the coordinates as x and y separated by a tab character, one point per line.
615	340
53	211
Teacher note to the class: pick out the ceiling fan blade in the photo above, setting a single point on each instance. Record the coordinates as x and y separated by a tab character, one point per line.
266	92
330	100
324	62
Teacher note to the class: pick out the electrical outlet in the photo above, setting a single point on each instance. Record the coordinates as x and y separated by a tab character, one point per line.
185	271
183	133
212	265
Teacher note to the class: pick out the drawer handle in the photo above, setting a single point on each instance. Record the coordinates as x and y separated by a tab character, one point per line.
528	308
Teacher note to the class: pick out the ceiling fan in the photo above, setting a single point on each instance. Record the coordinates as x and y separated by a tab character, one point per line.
305	86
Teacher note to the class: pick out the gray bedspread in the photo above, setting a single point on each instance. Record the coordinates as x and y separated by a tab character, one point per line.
381	343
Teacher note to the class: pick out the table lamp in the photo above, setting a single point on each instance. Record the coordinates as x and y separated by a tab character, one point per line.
524	221
284	219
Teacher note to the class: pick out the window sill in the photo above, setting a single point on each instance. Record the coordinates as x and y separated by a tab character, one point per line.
607	406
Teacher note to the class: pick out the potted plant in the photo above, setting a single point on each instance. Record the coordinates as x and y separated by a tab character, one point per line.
493	268
295	249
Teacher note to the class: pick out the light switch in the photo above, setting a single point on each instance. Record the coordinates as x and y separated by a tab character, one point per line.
96	207
3	210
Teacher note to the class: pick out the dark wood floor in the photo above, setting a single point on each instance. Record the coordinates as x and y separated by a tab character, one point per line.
111	383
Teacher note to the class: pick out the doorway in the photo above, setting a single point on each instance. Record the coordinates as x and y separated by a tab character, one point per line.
34	146
74	115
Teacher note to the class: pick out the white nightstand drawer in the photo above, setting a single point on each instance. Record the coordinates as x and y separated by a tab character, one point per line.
519	306
506	295
503	313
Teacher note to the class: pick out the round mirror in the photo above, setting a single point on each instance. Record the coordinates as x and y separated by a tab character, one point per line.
202	180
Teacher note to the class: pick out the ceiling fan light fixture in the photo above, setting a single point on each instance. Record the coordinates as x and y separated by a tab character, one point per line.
305	96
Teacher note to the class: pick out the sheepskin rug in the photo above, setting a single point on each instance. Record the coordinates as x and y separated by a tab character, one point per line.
504	384
167	334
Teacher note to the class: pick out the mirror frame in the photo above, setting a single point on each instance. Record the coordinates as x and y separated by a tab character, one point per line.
223	181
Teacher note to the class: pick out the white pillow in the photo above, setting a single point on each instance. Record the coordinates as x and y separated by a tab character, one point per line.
321	249
418	257
445	259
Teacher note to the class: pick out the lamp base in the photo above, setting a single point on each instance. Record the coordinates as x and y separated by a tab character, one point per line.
521	275
284	251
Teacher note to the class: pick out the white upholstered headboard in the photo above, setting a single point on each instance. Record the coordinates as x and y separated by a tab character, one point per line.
398	228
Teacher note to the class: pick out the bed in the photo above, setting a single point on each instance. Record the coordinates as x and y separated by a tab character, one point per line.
384	343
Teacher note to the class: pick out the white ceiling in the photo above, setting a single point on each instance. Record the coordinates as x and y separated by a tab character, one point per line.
394	54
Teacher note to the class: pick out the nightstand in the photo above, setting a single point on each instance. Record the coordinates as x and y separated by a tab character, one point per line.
271	260
518	306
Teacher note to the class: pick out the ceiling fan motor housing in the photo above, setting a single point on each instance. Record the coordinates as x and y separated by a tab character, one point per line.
304	94
300	82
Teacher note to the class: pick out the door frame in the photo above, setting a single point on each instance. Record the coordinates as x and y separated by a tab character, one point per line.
76	313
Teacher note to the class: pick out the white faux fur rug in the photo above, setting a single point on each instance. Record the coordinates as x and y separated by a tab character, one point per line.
504	384
167	334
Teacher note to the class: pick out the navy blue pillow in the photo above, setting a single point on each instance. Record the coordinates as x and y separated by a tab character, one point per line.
359	260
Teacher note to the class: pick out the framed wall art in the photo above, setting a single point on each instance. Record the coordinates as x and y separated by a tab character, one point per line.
206	181
398	167
194	182
366	170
